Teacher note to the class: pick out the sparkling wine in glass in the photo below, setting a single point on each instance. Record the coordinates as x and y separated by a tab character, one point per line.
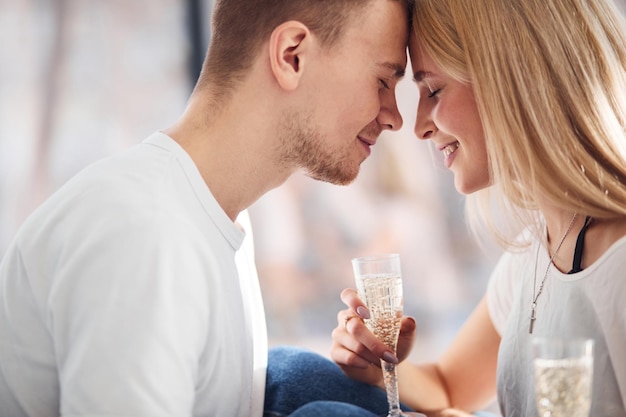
563	376
379	282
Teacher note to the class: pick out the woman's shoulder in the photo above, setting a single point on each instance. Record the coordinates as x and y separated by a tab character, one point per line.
605	245
612	258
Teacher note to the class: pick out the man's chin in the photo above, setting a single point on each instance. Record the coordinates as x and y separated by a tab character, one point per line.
335	178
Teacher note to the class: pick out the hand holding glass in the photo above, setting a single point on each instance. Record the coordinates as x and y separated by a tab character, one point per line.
379	282
563	376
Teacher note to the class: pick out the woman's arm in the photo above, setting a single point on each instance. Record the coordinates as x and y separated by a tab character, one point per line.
464	377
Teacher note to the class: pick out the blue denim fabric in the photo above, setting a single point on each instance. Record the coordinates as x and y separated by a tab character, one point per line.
328	409
301	383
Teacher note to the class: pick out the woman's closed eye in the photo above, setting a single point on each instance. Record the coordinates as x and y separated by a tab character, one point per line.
433	93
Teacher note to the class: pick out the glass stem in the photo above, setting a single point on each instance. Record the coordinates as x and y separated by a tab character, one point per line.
391	385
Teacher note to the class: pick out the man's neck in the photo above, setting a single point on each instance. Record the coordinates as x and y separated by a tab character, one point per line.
234	151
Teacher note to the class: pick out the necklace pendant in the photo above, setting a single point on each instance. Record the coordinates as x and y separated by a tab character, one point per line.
533	305
532	320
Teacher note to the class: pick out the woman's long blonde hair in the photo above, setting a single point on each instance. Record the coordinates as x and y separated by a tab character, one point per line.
549	78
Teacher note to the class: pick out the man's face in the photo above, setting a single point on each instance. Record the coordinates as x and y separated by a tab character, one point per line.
351	96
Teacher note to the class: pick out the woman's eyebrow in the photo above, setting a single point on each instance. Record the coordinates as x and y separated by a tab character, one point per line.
420	75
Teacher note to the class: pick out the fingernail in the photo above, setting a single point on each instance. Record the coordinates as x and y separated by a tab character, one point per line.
390	357
363	312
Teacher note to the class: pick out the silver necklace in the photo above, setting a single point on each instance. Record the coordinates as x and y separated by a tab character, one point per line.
533	306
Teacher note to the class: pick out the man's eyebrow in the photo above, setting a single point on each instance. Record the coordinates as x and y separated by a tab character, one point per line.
398	70
420	75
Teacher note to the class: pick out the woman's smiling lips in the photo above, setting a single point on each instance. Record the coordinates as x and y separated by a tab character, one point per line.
448	151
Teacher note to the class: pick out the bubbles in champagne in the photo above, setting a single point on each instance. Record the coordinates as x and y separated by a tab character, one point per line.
563	387
382	293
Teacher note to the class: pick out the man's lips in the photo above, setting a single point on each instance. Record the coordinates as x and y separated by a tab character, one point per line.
367	141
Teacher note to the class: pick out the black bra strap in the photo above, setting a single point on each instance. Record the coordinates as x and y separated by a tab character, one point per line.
580	245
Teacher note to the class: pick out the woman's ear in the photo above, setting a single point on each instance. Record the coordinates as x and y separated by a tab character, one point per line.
289	46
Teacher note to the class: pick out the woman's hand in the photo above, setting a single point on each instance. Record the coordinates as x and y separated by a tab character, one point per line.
356	350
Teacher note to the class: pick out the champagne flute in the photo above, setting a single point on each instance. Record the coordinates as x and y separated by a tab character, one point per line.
563	376
379	282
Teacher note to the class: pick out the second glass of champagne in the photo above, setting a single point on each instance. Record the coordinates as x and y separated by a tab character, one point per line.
563	376
379	282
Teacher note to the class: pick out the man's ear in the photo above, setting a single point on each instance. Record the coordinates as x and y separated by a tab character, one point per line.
288	49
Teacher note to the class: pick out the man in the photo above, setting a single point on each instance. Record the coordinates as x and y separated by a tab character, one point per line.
120	295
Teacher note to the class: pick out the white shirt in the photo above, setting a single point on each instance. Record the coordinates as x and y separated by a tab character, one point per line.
120	296
588	304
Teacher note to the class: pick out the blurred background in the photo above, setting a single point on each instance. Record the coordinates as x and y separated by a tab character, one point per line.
81	80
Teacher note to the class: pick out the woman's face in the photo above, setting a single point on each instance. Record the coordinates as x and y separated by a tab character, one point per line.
447	114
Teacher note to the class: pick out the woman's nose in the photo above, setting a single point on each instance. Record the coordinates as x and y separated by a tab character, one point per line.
424	126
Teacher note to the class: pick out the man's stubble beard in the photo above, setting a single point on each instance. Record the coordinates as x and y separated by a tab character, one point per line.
304	147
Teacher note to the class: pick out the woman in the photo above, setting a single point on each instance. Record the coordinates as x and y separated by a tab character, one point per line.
526	100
